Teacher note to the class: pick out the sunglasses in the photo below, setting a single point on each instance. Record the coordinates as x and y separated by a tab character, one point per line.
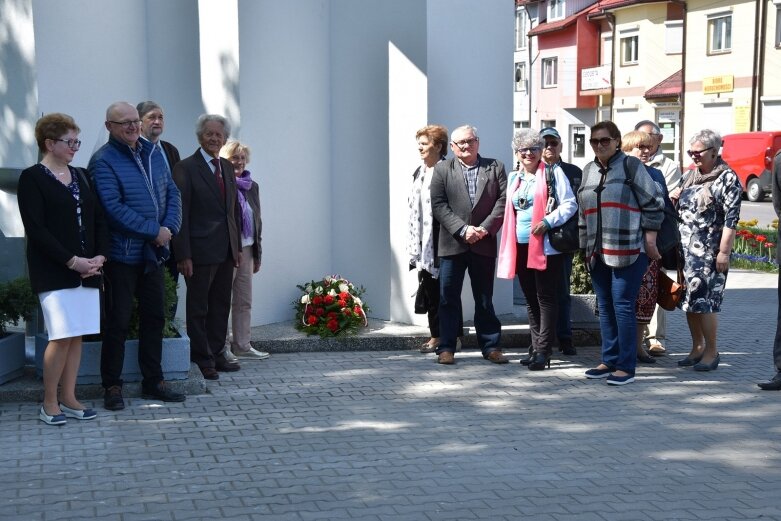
605	141
530	150
695	154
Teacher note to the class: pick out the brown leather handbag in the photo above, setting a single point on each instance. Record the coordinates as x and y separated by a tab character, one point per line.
670	291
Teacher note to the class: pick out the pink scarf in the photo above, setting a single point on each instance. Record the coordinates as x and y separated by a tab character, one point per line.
537	259
505	267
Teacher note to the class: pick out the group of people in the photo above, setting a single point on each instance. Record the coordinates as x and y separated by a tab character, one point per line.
138	211
620	200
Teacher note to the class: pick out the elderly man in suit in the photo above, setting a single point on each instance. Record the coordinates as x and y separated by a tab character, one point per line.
467	198
207	248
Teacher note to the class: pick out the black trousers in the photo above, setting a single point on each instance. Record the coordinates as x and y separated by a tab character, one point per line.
541	291
123	283
208	305
430	287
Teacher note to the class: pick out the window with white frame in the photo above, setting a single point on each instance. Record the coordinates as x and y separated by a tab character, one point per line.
673	37
629	49
555	9
520	77
778	26
521	29
550	76
720	33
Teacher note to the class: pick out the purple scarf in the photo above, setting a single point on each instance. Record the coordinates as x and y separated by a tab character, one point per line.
244	183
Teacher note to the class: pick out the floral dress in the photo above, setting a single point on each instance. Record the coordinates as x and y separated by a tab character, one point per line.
704	216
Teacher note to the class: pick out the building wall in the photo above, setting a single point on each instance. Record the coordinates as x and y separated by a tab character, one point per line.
328	95
654	64
718	111
771	73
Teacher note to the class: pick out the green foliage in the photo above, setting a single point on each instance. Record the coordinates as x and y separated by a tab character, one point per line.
169	297
169	329
17	301
580	282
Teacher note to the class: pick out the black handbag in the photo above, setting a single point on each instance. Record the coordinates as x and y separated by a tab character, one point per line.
564	238
669	236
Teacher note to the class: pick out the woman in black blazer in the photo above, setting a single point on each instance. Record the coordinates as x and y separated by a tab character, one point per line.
67	244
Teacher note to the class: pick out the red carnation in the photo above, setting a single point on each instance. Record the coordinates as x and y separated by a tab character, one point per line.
319	312
317	300
333	325
344	295
347	312
328	300
311	320
357	310
342	303
332	314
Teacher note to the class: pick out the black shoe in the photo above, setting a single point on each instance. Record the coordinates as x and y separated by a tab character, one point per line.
527	359
163	393
772	385
645	358
539	362
112	398
566	347
226	367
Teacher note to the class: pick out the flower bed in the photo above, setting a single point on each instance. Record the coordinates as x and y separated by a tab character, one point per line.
330	307
755	247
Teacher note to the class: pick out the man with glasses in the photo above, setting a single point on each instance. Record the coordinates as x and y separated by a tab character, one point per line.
551	156
152	126
143	209
655	332
467	199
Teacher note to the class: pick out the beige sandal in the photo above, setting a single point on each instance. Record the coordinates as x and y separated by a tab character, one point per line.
656	349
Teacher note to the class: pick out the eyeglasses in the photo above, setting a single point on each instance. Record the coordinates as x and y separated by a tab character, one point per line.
530	150
73	144
465	142
644	148
695	154
551	144
127	124
605	141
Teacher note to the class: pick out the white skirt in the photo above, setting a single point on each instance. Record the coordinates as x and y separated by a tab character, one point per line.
71	312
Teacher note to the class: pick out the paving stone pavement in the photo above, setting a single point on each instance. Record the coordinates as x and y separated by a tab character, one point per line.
393	436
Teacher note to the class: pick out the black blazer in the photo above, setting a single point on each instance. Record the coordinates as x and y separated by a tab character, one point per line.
171	153
209	233
49	215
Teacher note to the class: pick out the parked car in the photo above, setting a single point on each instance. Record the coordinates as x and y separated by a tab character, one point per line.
751	154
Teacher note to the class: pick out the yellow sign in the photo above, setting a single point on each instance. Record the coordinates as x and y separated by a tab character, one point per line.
742	118
716	84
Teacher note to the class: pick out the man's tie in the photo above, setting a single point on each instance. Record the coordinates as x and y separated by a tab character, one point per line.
218	174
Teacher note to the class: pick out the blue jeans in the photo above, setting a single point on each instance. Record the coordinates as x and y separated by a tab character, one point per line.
451	280
616	290
563	323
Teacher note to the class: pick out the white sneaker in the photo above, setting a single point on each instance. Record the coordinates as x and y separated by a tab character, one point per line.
253	353
229	356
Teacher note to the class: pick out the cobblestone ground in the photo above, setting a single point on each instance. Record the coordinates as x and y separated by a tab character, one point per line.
394	436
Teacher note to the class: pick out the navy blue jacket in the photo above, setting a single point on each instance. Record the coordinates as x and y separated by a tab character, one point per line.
136	205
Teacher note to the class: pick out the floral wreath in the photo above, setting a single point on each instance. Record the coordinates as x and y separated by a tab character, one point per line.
330	307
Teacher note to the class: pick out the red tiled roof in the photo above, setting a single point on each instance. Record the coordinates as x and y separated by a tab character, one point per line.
606	5
667	88
548	27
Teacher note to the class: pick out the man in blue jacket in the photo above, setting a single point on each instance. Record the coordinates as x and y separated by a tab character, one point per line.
143	209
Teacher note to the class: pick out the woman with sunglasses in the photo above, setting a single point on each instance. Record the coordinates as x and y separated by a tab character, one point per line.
620	211
709	206
525	249
67	244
